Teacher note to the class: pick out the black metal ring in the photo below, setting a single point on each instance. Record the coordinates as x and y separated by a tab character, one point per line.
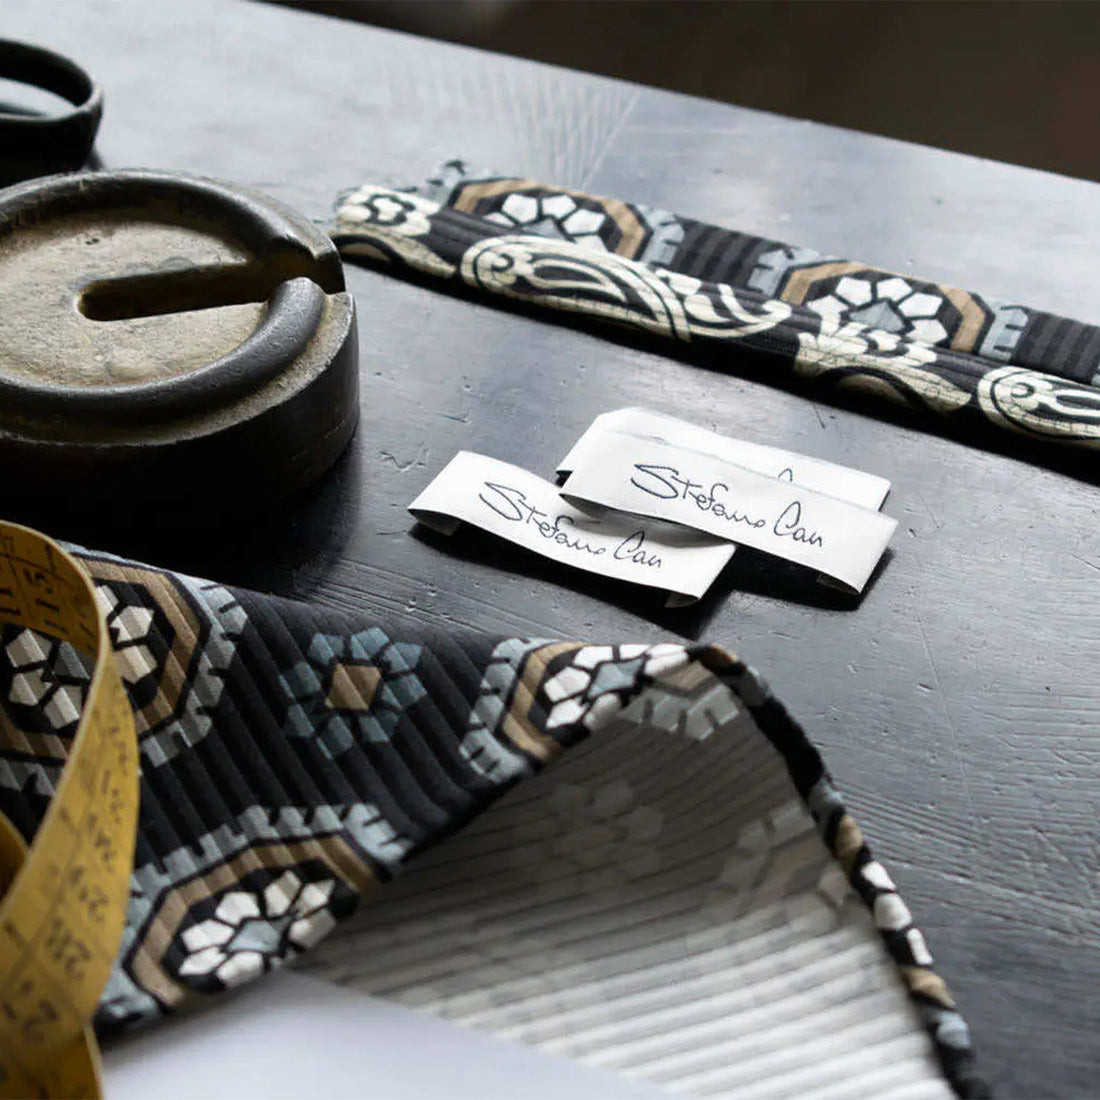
38	145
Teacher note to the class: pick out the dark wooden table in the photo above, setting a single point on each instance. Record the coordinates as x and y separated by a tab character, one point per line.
957	705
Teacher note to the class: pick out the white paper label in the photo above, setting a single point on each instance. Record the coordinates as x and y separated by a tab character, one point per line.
525	509
659	481
855	486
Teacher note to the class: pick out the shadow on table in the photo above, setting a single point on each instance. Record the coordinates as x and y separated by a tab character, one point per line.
1074	461
749	572
285	546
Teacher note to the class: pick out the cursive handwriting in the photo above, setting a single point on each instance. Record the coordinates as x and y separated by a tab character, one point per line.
632	548
512	504
667	483
789	526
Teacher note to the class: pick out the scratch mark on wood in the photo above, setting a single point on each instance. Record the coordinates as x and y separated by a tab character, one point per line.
611	137
419	459
1084	561
946	712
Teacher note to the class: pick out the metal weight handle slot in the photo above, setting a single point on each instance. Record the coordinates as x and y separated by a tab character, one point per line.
213	422
293	314
155	293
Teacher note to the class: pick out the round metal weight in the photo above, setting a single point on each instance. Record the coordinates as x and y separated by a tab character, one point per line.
170	336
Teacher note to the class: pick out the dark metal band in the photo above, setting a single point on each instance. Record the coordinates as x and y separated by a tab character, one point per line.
38	145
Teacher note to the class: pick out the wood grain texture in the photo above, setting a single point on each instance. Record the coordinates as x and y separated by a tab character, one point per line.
957	705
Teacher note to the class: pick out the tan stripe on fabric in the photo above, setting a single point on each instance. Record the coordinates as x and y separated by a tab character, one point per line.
161	929
798	285
848	842
517	724
470	193
633	232
185	636
186	630
927	982
973	318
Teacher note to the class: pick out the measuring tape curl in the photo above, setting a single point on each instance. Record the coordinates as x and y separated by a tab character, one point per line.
64	899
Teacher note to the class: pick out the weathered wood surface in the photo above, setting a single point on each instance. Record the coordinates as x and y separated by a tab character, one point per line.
957	705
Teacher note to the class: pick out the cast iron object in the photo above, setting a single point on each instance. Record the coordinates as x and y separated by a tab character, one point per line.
37	145
169	336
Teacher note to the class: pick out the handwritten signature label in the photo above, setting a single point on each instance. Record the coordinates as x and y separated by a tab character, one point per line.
666	483
855	486
526	510
512	504
659	481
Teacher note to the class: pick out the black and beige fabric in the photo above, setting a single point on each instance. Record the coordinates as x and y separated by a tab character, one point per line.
957	357
630	854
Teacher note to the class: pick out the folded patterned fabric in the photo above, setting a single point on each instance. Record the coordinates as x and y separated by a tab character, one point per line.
915	309
959	356
654	874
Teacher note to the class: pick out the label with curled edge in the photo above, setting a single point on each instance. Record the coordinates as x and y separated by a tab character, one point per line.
64	899
705	492
854	486
521	507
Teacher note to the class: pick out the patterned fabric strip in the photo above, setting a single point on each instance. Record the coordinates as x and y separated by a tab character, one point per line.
820	340
912	308
295	758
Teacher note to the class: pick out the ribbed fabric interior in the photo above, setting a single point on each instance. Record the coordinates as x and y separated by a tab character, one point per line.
656	903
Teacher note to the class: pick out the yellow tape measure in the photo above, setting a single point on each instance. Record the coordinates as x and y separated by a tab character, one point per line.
64	900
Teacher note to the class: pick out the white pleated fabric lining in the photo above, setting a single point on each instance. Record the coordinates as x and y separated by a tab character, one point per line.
656	903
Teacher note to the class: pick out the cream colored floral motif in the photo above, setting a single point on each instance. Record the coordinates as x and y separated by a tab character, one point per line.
406	214
596	682
890	304
1030	401
733	319
588	839
604	285
252	930
775	869
561	274
130	627
50	675
860	351
394	219
559	215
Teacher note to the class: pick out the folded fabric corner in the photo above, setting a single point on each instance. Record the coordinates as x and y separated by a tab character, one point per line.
627	853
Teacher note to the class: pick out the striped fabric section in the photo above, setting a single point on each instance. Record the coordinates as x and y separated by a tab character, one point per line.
656	903
948	316
626	853
834	328
718	258
1067	348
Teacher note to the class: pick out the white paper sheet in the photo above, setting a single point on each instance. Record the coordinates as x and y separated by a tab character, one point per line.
855	486
653	479
291	1037
524	509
